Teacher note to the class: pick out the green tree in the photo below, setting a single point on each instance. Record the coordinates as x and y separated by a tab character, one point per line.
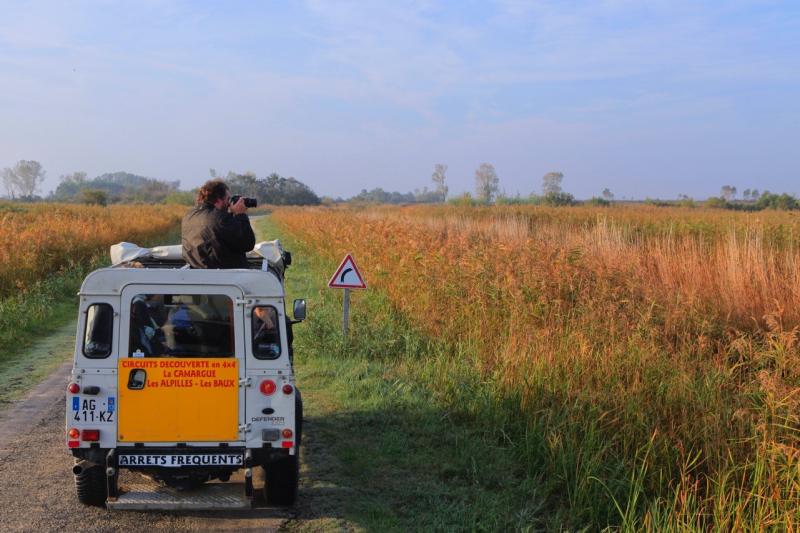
30	175
180	198
728	192
598	202
274	189
717	201
438	178
9	182
784	201
559	199
93	196
23	179
487	184
551	183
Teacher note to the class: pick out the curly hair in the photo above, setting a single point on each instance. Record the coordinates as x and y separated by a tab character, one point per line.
211	191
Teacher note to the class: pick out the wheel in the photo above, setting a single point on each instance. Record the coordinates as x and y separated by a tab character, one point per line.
91	486
298	417
282	475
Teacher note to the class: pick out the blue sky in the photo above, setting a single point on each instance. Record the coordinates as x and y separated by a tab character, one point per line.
649	98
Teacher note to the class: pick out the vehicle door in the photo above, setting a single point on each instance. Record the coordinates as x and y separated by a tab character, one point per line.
181	364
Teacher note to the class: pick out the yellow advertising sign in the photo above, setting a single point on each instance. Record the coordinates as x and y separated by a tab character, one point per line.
182	400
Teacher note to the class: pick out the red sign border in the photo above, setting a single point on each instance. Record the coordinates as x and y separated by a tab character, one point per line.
333	285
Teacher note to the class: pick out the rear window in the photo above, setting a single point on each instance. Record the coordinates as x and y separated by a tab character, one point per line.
266	334
99	331
181	325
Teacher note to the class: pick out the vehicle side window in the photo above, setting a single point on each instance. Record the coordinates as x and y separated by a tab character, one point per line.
99	331
181	325
266	333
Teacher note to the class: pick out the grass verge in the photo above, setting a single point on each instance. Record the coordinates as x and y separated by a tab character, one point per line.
28	321
37	326
382	450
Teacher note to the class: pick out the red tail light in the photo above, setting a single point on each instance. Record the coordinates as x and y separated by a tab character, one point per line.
287	433
287	444
73	433
288	389
90	435
268	387
74	388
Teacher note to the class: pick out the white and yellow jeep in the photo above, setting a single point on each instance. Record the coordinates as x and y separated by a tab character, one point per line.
184	376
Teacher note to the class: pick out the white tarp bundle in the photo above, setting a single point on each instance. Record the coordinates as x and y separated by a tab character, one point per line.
125	252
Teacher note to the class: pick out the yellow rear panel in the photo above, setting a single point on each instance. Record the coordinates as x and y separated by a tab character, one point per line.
182	400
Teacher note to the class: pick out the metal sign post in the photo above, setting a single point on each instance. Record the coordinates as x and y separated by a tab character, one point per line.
346	313
347	277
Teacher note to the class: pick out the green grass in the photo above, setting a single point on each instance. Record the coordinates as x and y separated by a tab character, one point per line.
400	436
27	321
37	362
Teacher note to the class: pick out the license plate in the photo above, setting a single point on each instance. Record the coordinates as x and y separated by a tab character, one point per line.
93	409
179	460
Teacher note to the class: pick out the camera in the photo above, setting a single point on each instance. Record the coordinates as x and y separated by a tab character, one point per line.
248	202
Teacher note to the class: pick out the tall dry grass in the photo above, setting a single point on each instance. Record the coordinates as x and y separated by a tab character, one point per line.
39	240
654	351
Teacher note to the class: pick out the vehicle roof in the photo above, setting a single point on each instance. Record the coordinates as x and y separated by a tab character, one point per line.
111	281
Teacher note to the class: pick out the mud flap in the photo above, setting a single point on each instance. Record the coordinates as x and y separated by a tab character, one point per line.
249	493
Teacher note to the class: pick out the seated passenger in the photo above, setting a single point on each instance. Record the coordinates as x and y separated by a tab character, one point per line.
216	233
266	337
146	337
182	336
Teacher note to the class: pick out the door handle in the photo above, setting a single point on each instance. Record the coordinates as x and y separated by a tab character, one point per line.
137	378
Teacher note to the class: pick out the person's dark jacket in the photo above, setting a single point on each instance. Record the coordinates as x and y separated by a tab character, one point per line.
215	238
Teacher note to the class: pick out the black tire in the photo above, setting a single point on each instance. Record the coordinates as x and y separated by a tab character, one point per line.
282	475
91	486
298	417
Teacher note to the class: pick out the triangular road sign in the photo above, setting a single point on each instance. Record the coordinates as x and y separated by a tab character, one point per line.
347	276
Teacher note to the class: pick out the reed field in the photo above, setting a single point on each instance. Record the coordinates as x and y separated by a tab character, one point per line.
45	252
642	362
40	240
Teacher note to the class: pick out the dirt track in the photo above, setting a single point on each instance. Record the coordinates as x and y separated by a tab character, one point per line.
36	486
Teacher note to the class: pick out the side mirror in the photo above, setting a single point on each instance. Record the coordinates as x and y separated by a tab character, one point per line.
299	310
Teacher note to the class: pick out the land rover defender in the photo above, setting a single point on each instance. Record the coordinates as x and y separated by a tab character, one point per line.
185	377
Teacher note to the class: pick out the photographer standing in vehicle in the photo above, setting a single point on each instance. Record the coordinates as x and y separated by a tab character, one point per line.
217	232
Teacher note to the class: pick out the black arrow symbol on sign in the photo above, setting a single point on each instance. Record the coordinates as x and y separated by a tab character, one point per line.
344	273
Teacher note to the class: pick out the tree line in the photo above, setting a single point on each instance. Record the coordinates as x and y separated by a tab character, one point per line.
273	189
116	187
487	191
23	181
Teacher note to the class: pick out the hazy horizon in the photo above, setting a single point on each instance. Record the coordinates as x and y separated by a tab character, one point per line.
648	99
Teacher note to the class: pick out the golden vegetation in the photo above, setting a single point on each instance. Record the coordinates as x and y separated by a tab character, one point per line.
655	351
39	240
